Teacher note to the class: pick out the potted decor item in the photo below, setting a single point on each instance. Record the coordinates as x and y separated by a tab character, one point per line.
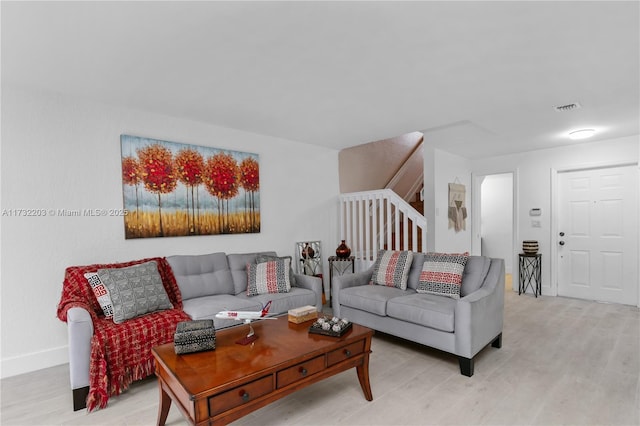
343	251
530	247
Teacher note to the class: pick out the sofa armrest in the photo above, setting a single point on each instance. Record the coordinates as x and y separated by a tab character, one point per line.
80	331
341	282
479	315
312	283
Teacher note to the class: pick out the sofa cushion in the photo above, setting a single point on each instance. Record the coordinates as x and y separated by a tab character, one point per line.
427	310
474	274
371	298
261	258
391	268
268	277
207	307
202	275
442	274
238	265
282	302
135	290
416	269
101	293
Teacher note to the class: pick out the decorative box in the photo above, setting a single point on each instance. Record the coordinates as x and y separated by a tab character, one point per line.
302	314
194	336
335	327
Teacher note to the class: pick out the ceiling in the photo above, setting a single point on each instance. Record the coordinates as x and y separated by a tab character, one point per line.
477	78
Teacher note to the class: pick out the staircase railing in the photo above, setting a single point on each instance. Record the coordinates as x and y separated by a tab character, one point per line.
380	219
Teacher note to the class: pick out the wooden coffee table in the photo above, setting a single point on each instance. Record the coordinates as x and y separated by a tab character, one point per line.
217	387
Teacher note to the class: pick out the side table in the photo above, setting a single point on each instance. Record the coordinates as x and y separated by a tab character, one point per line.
341	265
530	273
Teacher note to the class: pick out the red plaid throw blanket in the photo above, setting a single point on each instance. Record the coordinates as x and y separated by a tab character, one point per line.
120	353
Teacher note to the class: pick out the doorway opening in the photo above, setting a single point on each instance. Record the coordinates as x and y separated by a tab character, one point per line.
496	221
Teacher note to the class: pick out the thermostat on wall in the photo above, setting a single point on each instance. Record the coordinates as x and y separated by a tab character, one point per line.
535	212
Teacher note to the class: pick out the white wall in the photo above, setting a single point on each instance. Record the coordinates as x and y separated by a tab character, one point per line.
62	153
496	221
450	168
534	186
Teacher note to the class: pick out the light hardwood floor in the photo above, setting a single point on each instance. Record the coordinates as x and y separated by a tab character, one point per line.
562	361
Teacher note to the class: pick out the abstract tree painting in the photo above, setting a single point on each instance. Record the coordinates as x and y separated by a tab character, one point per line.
172	189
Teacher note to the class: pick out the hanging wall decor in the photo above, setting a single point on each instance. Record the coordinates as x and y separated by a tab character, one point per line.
457	207
172	189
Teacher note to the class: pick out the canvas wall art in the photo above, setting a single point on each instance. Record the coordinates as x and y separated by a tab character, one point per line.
172	189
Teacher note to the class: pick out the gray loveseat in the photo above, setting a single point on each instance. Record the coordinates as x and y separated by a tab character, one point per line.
208	284
462	327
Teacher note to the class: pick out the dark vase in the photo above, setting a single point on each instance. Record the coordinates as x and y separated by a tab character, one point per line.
307	251
343	250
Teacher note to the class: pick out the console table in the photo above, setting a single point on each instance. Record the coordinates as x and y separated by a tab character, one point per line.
530	273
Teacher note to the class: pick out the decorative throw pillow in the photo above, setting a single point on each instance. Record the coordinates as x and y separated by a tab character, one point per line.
135	290
261	258
392	268
101	293
268	277
442	274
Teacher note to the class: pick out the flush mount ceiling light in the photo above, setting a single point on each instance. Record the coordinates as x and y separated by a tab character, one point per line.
581	134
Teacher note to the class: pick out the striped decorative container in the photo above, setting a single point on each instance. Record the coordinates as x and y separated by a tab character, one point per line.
530	247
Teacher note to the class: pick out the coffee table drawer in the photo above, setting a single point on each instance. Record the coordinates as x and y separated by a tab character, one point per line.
345	352
299	371
240	395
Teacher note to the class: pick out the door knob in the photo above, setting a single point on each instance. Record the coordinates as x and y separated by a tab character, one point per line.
561	243
562	234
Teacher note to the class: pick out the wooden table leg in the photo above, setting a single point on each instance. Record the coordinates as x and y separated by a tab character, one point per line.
165	404
363	377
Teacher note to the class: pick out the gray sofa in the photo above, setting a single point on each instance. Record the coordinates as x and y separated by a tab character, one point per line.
216	282
208	284
462	327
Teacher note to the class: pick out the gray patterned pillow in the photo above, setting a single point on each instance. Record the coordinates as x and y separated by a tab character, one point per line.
268	277
135	290
442	274
391	268
261	258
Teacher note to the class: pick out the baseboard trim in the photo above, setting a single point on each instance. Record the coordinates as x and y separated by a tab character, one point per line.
33	361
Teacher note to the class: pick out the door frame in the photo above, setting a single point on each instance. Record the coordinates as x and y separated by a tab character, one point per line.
555	201
476	189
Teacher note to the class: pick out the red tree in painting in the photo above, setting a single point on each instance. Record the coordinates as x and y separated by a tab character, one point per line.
131	175
156	170
189	168
250	181
221	179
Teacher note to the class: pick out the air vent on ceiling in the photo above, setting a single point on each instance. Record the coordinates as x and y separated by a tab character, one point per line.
567	107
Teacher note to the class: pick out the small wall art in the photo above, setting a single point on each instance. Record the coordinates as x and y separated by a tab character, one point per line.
457	207
173	189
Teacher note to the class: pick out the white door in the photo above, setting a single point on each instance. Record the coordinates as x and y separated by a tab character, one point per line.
598	234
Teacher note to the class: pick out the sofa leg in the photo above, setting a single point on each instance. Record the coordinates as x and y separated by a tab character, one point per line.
80	398
497	342
466	366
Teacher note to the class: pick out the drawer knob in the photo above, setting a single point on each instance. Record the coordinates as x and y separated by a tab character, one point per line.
303	371
244	395
347	352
